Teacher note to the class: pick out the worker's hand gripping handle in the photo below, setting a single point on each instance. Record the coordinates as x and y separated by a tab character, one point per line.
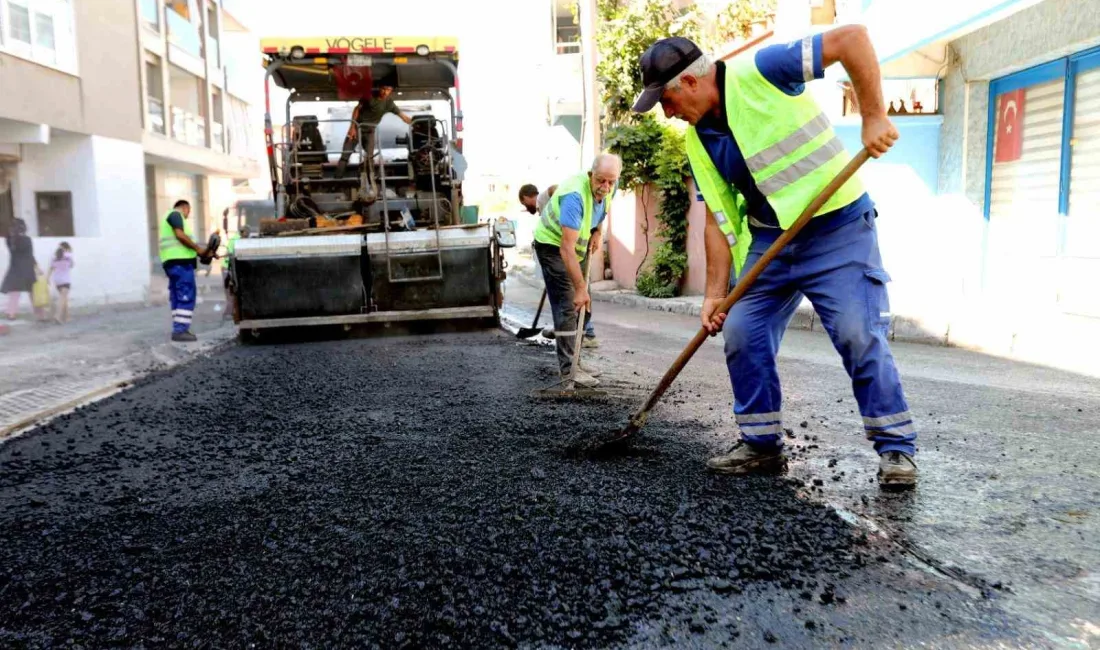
749	277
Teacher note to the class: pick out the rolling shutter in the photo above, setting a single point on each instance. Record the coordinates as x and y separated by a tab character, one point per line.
1024	225
1083	234
1078	292
1029	185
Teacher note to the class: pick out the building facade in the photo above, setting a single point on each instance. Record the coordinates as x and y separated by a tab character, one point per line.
201	78
95	142
993	197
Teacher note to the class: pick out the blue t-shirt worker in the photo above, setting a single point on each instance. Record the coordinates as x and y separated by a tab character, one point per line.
758	103
567	234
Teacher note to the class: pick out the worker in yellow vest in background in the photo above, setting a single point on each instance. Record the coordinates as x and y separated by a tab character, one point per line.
179	256
568	232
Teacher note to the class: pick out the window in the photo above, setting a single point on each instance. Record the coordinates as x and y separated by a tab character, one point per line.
55	213
154	93
212	33
183	26
567	33
903	97
40	31
217	122
20	23
188	113
150	13
44	37
240	129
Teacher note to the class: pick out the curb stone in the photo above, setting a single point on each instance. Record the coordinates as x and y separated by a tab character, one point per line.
169	355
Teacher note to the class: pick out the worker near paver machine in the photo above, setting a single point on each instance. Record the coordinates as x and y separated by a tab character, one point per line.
535	202
569	230
227	273
367	114
179	255
755	133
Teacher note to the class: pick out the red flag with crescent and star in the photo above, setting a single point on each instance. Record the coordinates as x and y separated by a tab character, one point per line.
1010	126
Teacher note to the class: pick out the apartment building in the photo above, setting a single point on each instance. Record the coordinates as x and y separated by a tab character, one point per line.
100	131
200	78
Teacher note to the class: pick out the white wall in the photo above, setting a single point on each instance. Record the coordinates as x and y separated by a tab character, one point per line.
107	179
63	165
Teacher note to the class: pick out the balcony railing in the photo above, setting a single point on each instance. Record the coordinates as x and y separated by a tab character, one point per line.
150	13
217	132
156	115
568	47
183	34
188	128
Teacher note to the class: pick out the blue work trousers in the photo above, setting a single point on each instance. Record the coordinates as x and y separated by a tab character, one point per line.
181	295
836	264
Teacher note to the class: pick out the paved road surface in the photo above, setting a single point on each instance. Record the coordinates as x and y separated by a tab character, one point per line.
405	492
1009	494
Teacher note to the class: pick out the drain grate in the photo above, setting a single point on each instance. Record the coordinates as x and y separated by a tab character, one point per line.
18	406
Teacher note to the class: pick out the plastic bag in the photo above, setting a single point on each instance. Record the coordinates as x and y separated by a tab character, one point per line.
40	294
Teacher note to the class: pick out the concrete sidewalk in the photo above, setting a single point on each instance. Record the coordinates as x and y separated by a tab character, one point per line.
49	368
983	330
805	317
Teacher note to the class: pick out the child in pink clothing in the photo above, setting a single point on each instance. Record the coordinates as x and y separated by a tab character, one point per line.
61	268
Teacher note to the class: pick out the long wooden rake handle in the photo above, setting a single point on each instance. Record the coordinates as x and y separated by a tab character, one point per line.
747	280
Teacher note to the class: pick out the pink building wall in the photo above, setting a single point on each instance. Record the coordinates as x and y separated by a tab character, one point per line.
627	237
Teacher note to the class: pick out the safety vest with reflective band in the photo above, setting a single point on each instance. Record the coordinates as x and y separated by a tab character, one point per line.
170	246
549	229
727	205
788	143
230	246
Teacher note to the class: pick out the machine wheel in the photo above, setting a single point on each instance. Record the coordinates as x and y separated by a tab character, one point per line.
248	336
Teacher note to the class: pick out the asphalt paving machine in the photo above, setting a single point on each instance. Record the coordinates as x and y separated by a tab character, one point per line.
345	248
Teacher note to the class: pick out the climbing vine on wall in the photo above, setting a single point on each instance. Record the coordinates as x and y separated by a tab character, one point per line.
652	152
652	149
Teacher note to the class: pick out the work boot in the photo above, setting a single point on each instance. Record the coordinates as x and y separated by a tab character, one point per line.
590	342
548	333
584	379
594	371
184	337
745	459
896	471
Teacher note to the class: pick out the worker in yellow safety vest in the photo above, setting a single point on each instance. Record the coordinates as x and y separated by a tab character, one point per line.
179	255
761	149
568	231
228	281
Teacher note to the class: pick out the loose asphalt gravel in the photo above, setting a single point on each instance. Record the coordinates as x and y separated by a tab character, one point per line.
407	492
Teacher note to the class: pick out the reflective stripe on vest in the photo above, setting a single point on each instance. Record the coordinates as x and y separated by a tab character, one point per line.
723	200
170	246
789	144
548	230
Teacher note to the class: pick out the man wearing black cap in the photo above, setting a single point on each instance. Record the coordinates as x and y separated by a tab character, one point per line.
761	150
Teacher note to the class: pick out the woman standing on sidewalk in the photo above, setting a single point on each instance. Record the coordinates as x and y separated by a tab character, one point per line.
61	268
22	269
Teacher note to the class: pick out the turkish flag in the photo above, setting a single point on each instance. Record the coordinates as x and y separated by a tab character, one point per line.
1010	126
353	82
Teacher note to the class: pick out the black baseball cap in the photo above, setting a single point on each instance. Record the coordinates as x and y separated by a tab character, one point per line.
661	63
